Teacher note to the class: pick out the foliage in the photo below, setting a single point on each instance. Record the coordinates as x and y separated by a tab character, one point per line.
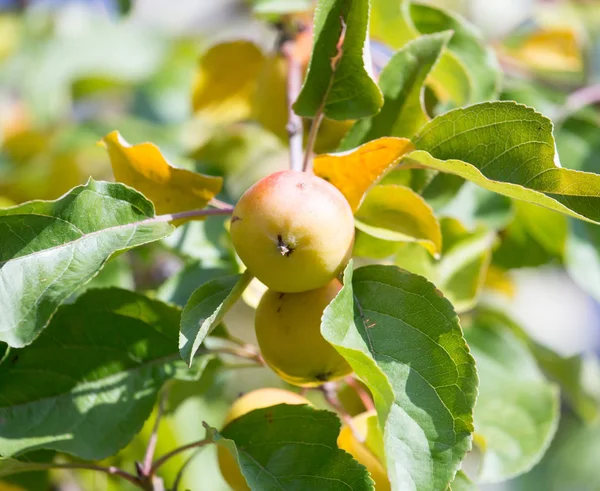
125	312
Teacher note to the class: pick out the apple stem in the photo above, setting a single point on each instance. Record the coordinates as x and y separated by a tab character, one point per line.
361	392
329	393
311	140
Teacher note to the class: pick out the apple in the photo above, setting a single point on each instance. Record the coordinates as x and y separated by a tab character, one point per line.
288	330
293	231
363	450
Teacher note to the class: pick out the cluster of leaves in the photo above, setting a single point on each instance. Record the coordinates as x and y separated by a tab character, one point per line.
450	187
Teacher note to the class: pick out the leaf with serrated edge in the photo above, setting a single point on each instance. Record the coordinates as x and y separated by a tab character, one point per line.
337	81
507	148
355	171
88	383
517	409
171	189
393	212
291	447
462	483
402	83
49	249
404	341
206	308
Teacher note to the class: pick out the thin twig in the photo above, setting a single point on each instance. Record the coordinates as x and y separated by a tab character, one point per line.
112	470
159	462
361	392
329	392
221	205
311	140
578	99
246	352
153	440
294	126
190	214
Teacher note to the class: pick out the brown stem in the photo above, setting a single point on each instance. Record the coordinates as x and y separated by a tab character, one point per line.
246	351
361	392
159	462
153	440
294	126
329	392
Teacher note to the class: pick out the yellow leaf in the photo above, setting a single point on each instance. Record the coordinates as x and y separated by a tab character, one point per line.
397	213
269	103
226	80
143	167
499	280
355	171
554	48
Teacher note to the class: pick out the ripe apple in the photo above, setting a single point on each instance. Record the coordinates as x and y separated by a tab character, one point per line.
288	330
362	451
293	231
256	399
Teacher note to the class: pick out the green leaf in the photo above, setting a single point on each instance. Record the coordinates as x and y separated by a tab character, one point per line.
403	339
509	149
462	483
397	213
468	71
578	376
582	256
401	82
517	409
206	308
460	273
89	381
337	82
291	447
534	237
49	249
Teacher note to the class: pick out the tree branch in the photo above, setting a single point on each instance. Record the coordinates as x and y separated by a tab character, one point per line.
294	126
153	440
361	392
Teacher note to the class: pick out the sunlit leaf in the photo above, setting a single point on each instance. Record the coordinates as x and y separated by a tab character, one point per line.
461	271
402	83
144	168
467	71
291	447
89	382
509	149
49	249
226	81
205	309
338	82
403	340
517	409
355	171
397	213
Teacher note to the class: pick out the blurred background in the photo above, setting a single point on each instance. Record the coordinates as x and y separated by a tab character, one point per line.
72	71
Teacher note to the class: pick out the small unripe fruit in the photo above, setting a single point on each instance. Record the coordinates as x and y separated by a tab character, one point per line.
293	231
288	330
256	399
361	451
